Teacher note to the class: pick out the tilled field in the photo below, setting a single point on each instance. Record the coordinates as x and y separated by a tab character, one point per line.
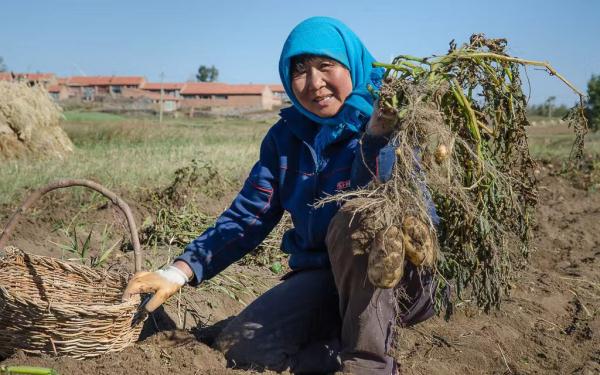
551	324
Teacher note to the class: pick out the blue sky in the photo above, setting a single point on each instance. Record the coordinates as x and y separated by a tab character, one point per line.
243	38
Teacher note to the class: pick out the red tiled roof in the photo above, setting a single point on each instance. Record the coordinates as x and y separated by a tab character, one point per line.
211	88
88	81
276	88
165	86
62	81
35	76
6	76
104	81
54	88
131	81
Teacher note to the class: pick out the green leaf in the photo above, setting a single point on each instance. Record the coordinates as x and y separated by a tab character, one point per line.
104	256
86	246
276	267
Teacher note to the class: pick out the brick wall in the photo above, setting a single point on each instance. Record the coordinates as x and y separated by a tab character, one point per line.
255	101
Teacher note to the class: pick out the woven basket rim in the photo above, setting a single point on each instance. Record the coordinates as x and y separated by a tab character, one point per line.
108	309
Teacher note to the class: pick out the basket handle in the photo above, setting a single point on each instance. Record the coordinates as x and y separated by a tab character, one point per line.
85	183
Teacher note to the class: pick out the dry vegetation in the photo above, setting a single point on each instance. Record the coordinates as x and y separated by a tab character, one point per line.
29	124
461	144
135	153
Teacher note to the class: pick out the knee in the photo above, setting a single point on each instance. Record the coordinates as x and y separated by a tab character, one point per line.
351	229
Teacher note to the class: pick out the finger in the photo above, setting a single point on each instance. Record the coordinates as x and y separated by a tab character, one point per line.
135	286
140	274
139	288
131	289
157	299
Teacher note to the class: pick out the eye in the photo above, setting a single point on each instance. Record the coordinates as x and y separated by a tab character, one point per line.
298	71
324	65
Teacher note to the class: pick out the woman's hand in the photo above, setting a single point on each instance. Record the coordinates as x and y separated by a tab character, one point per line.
162	283
382	122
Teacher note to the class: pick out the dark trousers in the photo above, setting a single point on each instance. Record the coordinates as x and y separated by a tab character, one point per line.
327	320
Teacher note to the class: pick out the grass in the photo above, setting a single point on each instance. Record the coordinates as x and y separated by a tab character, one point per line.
543	119
83	116
128	153
554	142
131	153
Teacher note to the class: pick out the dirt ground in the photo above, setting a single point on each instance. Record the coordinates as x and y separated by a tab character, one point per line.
550	325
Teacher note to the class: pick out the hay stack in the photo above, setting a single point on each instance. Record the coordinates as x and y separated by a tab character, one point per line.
29	123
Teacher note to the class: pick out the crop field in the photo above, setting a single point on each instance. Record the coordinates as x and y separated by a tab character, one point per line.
555	141
131	153
550	324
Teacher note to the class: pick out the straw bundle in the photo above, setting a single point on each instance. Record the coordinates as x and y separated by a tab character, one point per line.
29	123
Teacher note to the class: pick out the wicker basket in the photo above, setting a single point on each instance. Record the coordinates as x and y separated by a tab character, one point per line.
62	308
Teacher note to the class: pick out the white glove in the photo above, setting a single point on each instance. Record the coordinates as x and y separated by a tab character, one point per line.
162	283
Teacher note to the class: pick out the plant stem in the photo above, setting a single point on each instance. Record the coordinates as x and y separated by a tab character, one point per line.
27	370
471	119
401	68
414	58
495	56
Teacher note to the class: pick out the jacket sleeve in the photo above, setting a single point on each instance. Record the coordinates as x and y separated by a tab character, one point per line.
375	159
244	225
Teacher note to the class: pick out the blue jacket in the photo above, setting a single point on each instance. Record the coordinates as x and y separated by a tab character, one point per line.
285	178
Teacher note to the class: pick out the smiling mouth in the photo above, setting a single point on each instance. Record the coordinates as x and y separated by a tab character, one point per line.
323	99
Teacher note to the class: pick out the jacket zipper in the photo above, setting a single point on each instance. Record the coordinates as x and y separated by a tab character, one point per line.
314	193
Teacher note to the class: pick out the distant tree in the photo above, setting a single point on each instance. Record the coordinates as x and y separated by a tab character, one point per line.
2	65
592	105
535	110
207	74
548	108
561	111
549	104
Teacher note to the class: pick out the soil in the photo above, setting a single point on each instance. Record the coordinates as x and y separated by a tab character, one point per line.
549	325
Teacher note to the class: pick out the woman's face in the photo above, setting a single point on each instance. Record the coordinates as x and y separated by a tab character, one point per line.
321	85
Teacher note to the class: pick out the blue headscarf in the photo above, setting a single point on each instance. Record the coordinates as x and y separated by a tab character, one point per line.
329	37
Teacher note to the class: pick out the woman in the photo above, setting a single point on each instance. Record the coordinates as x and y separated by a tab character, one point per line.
325	316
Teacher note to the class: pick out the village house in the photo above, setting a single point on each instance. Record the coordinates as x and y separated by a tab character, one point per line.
210	94
58	91
168	88
175	95
170	103
279	92
42	79
88	88
55	86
